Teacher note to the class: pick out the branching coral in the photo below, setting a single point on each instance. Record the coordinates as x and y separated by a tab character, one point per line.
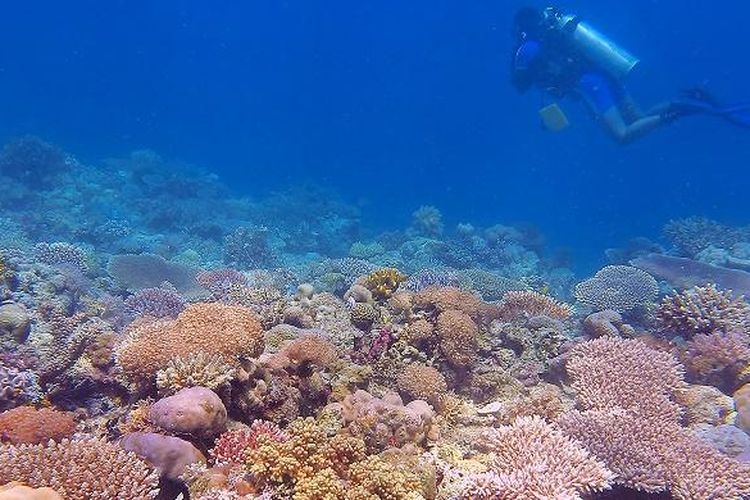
702	310
228	331
533	459
233	446
529	304
620	288
717	358
630	420
91	469
201	369
383	283
155	302
26	424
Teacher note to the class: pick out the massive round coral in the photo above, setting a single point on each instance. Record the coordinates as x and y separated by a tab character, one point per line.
459	337
229	331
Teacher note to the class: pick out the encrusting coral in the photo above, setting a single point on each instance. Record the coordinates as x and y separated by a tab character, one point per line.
26	424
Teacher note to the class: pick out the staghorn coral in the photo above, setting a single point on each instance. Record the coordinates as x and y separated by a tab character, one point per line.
459	337
655	455
702	310
91	468
534	459
529	304
610	372
423	382
60	253
26	424
620	288
201	369
383	283
228	331
631	421
220	282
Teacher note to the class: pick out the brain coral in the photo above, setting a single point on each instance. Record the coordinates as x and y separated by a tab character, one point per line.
91	469
620	288
26	424
459	337
228	331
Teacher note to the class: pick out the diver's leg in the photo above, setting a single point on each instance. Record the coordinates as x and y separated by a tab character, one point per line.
624	132
630	110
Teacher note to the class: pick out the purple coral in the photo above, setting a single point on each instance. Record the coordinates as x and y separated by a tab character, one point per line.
18	386
61	253
221	281
155	302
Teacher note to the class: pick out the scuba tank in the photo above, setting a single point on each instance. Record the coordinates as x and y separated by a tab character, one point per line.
591	44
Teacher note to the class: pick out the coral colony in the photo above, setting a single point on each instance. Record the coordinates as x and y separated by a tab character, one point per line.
161	339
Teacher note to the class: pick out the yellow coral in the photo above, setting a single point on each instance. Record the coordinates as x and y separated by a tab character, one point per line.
374	478
324	485
384	282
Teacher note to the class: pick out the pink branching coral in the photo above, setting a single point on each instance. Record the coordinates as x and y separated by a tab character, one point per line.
233	446
702	310
529	304
92	469
630	420
220	282
533	459
611	372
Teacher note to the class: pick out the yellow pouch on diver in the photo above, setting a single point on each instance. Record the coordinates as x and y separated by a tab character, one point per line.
553	118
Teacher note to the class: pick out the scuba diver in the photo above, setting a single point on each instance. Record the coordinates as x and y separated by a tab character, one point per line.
564	56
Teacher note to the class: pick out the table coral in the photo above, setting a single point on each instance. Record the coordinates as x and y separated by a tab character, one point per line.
620	288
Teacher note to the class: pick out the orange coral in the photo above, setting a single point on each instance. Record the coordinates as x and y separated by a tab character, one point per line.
529	304
446	298
26	424
229	331
423	382
459	337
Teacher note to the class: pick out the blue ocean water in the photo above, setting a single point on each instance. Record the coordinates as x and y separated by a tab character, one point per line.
392	105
